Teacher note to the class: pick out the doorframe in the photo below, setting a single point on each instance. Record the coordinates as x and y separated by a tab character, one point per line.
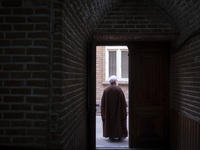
92	89
110	39
91	79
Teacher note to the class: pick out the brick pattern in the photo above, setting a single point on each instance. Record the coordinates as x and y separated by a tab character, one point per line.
78	138
26	63
100	71
184	14
185	66
135	17
26	67
24	72
74	23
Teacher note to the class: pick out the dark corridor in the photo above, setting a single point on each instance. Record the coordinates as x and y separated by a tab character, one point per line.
47	75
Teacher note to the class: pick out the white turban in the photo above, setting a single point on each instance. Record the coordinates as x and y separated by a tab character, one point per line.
112	79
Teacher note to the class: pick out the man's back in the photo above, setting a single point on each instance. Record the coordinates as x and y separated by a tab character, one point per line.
113	110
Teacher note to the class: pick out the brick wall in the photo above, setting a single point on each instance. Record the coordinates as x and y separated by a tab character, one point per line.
185	96
183	14
185	66
43	69
100	71
74	23
135	17
24	72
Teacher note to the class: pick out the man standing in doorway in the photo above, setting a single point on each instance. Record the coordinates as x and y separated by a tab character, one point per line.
113	111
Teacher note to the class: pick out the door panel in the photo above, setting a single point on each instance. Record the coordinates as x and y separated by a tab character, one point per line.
149	94
148	76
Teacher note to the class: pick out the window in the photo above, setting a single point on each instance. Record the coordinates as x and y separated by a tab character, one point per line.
117	62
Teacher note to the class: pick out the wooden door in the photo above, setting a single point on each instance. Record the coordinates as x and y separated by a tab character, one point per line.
149	95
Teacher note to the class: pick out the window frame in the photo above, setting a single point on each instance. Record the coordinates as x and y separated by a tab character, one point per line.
118	50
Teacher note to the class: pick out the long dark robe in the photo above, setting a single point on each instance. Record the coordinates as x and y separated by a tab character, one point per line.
113	112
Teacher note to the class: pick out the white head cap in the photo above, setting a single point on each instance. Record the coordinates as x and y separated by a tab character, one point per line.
112	79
